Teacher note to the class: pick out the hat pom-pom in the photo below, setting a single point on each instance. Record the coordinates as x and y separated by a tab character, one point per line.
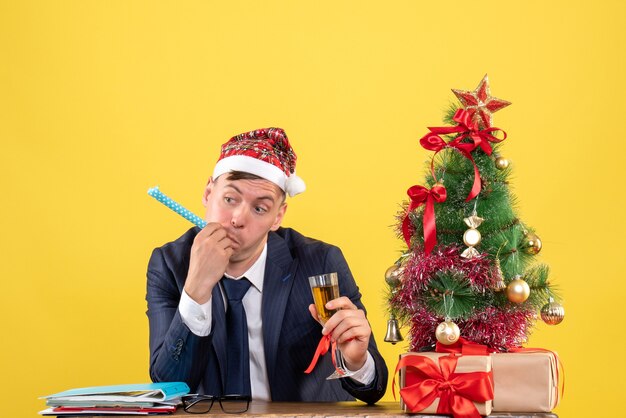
294	185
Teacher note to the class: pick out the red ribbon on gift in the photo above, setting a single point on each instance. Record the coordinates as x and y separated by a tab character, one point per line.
465	347
419	195
456	391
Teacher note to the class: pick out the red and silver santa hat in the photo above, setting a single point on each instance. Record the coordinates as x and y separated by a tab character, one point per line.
265	153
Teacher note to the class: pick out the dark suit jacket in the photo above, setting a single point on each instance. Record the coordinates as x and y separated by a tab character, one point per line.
290	335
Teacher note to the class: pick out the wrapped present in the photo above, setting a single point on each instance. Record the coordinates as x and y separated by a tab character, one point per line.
526	381
444	383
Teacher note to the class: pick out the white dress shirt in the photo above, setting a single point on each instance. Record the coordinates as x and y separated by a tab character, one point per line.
198	318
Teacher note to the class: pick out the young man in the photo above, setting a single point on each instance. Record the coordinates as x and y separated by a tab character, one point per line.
260	341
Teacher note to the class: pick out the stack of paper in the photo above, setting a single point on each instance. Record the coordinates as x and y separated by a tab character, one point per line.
135	399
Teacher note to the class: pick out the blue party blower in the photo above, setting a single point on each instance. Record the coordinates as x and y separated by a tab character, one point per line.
176	207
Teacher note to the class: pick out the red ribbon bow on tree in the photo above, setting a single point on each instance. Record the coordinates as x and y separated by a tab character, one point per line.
419	195
456	391
467	129
435	143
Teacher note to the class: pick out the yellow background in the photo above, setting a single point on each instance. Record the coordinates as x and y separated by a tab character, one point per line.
101	100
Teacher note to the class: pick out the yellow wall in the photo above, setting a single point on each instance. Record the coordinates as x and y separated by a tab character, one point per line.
100	100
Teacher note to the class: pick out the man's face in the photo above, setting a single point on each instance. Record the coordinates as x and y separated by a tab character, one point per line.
248	210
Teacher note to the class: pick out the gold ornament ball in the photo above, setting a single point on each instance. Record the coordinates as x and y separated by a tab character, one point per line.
447	333
393	275
472	237
502	163
517	291
552	313
533	244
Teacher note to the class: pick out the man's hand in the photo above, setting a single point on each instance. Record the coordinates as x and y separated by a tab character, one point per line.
349	328
210	253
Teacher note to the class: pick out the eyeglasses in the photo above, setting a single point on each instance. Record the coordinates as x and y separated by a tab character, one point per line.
201	404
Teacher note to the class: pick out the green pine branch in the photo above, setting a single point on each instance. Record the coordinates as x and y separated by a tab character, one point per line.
449	294
540	288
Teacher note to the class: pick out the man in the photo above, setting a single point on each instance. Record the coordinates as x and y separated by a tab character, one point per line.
197	321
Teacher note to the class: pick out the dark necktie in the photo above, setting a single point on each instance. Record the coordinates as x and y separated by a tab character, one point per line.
238	367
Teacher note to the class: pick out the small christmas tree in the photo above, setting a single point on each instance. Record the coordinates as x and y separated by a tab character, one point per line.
469	269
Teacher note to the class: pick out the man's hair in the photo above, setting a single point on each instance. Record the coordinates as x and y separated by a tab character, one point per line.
243	175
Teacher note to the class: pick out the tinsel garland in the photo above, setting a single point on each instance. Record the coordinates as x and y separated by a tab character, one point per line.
500	328
496	327
420	268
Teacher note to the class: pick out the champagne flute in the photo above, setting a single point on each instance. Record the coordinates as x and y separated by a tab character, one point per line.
325	287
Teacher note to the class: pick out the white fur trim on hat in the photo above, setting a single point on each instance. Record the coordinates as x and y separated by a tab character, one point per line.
292	185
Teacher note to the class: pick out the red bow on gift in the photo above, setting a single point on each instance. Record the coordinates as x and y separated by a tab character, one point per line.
418	196
456	391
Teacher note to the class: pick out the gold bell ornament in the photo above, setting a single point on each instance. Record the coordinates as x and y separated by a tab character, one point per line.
393	335
552	313
498	277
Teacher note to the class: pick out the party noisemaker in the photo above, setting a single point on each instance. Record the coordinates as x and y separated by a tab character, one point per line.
176	207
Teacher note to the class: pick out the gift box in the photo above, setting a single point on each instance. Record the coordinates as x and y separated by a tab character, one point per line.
442	383
525	381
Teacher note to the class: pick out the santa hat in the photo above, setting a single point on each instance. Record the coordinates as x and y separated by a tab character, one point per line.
265	153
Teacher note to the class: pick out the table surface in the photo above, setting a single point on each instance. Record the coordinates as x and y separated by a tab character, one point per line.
339	409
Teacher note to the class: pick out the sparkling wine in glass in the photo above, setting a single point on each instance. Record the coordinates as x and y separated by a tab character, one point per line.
325	287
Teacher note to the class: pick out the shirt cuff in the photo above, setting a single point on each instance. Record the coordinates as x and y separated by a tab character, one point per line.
366	374
197	317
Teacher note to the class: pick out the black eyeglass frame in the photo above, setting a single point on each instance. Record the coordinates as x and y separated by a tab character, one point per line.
189	401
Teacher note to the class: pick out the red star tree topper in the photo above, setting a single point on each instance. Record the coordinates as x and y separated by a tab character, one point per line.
480	103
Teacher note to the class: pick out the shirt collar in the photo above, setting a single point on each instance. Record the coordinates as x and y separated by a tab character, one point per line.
256	272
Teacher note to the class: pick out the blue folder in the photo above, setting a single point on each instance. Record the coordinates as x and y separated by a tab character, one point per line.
156	392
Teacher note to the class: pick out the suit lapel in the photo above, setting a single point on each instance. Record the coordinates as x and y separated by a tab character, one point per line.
279	277
219	329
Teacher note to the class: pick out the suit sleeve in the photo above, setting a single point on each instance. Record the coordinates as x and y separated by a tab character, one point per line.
176	353
371	393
